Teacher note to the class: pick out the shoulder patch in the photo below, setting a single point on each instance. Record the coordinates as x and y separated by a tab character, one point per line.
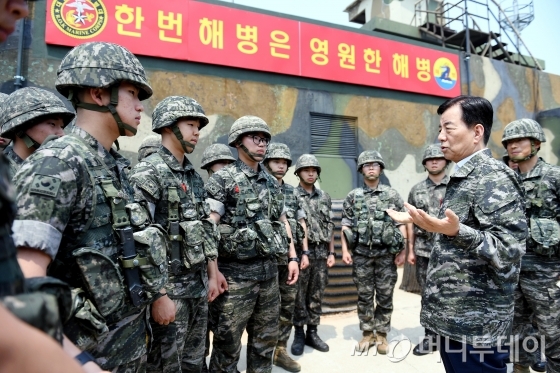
45	185
149	186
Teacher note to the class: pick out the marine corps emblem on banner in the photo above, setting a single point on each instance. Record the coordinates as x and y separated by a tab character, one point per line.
81	19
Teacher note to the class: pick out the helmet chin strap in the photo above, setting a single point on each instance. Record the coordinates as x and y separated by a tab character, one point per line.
29	142
534	152
187	146
111	107
274	173
253	156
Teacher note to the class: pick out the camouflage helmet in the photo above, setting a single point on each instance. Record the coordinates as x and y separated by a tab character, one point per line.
169	110
369	156
246	124
278	150
215	153
149	145
100	65
523	128
27	106
307	160
3	96
432	151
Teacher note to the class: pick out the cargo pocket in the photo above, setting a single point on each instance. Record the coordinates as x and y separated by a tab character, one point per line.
226	247
244	241
267	241
363	234
387	237
281	238
103	278
546	234
376	231
252	206
151	244
193	250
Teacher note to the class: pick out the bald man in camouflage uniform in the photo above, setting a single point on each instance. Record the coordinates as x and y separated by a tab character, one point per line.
167	182
537	296
374	257
29	116
248	204
277	161
316	204
427	195
149	146
72	222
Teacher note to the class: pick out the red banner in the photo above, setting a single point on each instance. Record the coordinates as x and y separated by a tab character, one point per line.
215	34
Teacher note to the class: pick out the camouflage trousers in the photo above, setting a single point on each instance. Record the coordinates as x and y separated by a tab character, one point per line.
246	305
312	282
422	271
179	346
537	299
375	277
287	304
135	366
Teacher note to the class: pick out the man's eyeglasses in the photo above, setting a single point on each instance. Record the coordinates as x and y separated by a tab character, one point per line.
373	165
259	140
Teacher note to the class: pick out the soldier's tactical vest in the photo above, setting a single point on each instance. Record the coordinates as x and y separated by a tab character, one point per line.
253	233
91	261
319	225
544	238
422	199
376	229
180	211
291	203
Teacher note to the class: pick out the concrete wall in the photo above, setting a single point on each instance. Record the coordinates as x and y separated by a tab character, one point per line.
399	125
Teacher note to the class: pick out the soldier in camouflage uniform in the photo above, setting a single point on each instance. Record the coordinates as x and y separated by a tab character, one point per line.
72	222
214	158
377	240
481	231
167	182
29	116
277	161
313	280
248	204
537	296
427	196
149	146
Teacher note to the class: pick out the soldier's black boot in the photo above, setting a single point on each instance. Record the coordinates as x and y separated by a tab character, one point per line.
313	340
428	344
299	341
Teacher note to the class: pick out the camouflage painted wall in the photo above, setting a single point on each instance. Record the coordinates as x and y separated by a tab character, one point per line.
392	123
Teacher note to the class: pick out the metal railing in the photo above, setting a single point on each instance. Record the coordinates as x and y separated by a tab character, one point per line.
480	15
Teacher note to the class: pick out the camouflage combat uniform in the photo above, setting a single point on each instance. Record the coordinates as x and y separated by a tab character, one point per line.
471	277
314	279
243	197
71	197
426	196
537	296
176	192
23	109
149	145
374	270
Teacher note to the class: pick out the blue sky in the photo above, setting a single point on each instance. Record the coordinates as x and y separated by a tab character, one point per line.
541	36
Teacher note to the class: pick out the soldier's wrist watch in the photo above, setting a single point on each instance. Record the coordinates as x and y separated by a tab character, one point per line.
296	259
332	253
305	252
84	357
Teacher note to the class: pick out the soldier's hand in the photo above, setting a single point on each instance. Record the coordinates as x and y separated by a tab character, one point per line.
304	262
399	259
448	225
213	290
163	310
222	282
411	259
399	217
293	273
330	261
347	258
